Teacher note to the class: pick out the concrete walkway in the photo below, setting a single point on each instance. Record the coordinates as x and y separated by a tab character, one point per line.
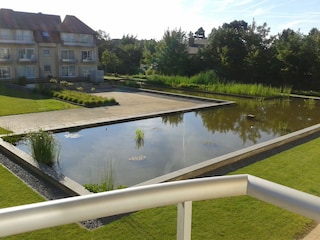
314	234
132	105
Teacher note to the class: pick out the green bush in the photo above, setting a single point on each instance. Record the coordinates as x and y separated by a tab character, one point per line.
83	98
44	147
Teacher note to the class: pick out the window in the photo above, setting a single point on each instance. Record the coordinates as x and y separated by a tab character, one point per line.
86	55
67	55
86	38
68	37
4	72
5	34
4	53
85	71
24	35
46	52
68	71
27	71
47	68
45	34
26	53
30	72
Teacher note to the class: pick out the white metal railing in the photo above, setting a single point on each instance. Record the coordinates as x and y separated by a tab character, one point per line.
69	210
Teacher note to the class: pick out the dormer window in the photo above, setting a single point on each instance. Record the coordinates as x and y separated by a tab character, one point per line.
45	34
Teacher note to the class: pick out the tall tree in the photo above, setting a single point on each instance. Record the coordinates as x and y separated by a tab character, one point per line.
110	59
226	50
258	61
293	57
149	51
171	53
129	53
313	77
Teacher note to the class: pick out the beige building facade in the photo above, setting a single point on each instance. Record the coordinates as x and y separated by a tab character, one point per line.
40	46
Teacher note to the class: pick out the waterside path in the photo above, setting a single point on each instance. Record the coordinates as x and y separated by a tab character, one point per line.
133	105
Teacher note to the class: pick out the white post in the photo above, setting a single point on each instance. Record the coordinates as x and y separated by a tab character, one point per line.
184	219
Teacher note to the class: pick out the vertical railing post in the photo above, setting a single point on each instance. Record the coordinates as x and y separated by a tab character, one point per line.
184	219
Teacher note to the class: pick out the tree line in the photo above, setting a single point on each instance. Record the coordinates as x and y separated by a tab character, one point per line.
236	51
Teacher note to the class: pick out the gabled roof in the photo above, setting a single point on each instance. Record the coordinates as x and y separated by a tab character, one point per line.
72	24
46	27
10	19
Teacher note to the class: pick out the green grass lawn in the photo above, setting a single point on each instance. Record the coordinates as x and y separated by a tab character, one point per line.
14	101
226	218
4	131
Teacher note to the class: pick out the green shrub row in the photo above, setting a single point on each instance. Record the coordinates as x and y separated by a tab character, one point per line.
81	98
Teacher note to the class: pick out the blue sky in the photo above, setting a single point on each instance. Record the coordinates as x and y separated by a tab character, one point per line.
148	19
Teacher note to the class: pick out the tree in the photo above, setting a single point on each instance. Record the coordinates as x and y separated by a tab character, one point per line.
226	50
313	43
129	53
149	52
104	43
110	59
240	52
171	53
293	57
258	61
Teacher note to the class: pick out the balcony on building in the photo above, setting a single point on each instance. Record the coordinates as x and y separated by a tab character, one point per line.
69	60
5	59
27	59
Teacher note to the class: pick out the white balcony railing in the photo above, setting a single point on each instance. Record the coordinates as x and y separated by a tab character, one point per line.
69	210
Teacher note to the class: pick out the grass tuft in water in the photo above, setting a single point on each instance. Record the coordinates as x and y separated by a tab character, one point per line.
139	138
44	147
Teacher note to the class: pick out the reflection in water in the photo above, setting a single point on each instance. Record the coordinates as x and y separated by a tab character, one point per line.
72	135
173	119
176	141
276	117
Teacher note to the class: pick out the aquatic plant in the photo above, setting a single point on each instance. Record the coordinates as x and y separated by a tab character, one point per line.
209	81
139	138
44	147
309	103
107	184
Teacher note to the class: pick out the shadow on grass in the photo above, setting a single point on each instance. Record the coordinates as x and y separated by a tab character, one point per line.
16	91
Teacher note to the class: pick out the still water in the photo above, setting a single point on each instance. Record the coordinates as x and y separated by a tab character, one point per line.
177	141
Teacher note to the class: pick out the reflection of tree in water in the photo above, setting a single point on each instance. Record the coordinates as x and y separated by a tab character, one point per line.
277	117
173	120
235	120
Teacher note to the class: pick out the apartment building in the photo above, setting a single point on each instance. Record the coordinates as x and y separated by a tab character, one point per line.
38	46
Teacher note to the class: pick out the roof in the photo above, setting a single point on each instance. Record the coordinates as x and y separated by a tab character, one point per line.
72	24
46	27
10	19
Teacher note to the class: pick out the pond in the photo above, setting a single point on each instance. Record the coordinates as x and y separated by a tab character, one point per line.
173	142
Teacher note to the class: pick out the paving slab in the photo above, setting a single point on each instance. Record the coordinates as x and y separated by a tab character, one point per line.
132	105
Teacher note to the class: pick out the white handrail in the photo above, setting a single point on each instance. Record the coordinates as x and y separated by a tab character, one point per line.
69	210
